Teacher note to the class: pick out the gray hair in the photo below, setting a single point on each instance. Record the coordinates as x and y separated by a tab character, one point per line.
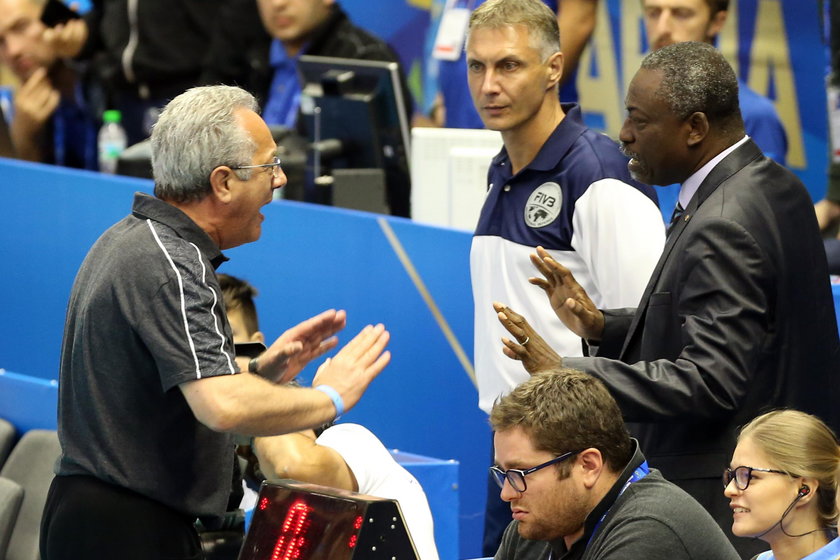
534	14
197	132
696	78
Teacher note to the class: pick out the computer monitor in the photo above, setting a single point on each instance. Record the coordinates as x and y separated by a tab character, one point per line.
356	116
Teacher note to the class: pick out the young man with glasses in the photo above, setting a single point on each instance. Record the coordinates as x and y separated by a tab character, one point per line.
580	488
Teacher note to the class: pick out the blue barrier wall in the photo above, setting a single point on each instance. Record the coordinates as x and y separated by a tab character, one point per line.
309	258
28	403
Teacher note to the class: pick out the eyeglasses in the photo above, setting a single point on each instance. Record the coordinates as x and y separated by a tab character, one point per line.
743	475
516	477
274	165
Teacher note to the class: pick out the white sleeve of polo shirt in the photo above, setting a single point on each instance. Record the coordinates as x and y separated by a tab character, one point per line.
618	232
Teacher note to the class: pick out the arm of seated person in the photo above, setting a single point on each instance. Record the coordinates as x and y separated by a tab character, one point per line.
298	457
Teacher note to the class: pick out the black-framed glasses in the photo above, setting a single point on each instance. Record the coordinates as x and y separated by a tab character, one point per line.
274	165
516	477
743	475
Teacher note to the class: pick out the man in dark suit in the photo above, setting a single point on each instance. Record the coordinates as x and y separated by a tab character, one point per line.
737	316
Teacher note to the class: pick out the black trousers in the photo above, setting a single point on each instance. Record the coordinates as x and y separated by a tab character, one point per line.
85	518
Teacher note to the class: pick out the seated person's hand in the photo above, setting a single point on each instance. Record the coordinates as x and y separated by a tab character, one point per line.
35	102
67	39
527	345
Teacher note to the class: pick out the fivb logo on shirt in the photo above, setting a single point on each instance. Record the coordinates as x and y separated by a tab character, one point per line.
543	205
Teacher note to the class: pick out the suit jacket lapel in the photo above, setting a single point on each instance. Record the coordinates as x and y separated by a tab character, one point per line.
730	165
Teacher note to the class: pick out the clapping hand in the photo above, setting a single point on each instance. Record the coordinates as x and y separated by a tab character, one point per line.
301	344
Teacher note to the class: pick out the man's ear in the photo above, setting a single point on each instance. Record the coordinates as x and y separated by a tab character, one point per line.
592	464
698	124
555	68
716	24
220	183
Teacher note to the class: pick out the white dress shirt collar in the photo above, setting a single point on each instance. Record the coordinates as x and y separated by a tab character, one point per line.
690	186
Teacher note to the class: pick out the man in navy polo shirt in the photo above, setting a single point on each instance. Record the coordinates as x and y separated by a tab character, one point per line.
555	184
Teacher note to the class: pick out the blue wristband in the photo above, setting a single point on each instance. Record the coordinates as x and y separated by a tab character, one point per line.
336	399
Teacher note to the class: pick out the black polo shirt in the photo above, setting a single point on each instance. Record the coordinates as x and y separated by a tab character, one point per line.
146	315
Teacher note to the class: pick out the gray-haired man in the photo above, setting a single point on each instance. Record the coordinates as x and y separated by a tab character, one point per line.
150	388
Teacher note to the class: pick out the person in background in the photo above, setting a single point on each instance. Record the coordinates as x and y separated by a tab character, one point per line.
264	61
346	456
675	21
782	486
150	388
450	104
578	485
51	120
144	53
738	312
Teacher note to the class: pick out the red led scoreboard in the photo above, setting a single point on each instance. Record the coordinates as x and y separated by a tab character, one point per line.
299	521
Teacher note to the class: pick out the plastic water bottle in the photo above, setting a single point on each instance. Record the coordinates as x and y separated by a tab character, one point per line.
111	140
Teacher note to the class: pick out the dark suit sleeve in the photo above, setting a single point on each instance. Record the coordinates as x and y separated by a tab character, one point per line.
616	324
719	326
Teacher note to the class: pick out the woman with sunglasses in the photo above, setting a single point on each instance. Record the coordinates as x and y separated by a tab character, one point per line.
782	487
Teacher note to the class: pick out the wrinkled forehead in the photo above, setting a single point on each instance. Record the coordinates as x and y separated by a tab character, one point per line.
501	41
692	5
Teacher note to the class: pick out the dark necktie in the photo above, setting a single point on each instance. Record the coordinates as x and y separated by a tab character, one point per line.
678	211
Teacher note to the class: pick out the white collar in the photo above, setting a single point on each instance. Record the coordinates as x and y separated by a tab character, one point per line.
690	185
